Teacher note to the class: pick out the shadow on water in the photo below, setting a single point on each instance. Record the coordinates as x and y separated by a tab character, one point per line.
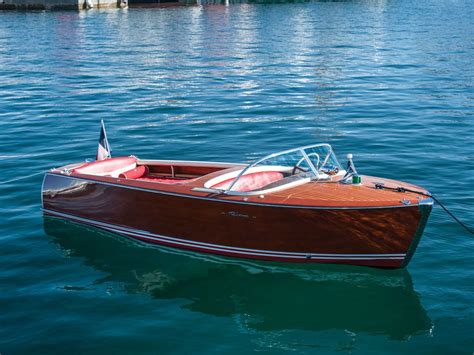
262	296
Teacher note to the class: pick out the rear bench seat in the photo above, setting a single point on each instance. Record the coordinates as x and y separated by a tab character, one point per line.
108	167
125	168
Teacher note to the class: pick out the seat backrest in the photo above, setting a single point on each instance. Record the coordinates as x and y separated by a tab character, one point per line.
136	173
250	182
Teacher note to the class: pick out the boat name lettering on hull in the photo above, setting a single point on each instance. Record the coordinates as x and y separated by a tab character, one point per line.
237	214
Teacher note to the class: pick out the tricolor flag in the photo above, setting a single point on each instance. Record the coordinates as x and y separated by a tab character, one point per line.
103	152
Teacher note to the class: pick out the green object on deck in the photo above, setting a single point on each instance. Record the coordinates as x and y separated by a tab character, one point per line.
356	179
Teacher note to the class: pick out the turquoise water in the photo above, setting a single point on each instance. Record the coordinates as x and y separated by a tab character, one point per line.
390	81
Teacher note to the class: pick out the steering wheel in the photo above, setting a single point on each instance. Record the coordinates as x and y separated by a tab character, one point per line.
298	167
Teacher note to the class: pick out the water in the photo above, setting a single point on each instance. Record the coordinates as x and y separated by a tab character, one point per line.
390	81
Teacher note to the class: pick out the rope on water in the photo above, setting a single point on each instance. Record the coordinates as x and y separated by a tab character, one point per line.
21	178
403	189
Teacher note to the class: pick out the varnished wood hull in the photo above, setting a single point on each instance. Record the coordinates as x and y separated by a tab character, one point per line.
378	237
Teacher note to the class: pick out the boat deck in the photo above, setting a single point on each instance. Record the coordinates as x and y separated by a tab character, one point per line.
336	194
183	178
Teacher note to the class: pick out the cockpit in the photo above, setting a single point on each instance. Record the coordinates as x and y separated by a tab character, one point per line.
280	171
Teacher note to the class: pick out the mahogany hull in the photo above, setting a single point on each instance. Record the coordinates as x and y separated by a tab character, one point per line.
379	237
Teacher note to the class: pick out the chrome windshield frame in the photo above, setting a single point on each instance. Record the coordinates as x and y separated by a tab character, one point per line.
273	155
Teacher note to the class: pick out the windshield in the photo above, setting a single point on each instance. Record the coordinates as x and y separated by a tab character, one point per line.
314	162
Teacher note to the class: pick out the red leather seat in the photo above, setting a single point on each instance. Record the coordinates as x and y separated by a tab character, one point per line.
108	166
136	173
250	182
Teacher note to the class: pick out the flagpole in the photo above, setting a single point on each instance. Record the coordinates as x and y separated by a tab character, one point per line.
105	135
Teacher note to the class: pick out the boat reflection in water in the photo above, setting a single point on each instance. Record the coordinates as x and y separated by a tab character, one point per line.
262	296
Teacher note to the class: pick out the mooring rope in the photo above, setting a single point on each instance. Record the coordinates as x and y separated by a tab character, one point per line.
21	178
404	189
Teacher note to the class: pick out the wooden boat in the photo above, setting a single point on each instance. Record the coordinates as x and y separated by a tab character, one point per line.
297	205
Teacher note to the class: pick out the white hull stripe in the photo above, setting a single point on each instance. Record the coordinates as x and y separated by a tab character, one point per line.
220	248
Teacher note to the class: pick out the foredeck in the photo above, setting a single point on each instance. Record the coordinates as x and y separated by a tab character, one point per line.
320	193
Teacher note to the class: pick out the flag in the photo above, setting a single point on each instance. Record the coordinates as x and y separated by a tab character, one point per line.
103	151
